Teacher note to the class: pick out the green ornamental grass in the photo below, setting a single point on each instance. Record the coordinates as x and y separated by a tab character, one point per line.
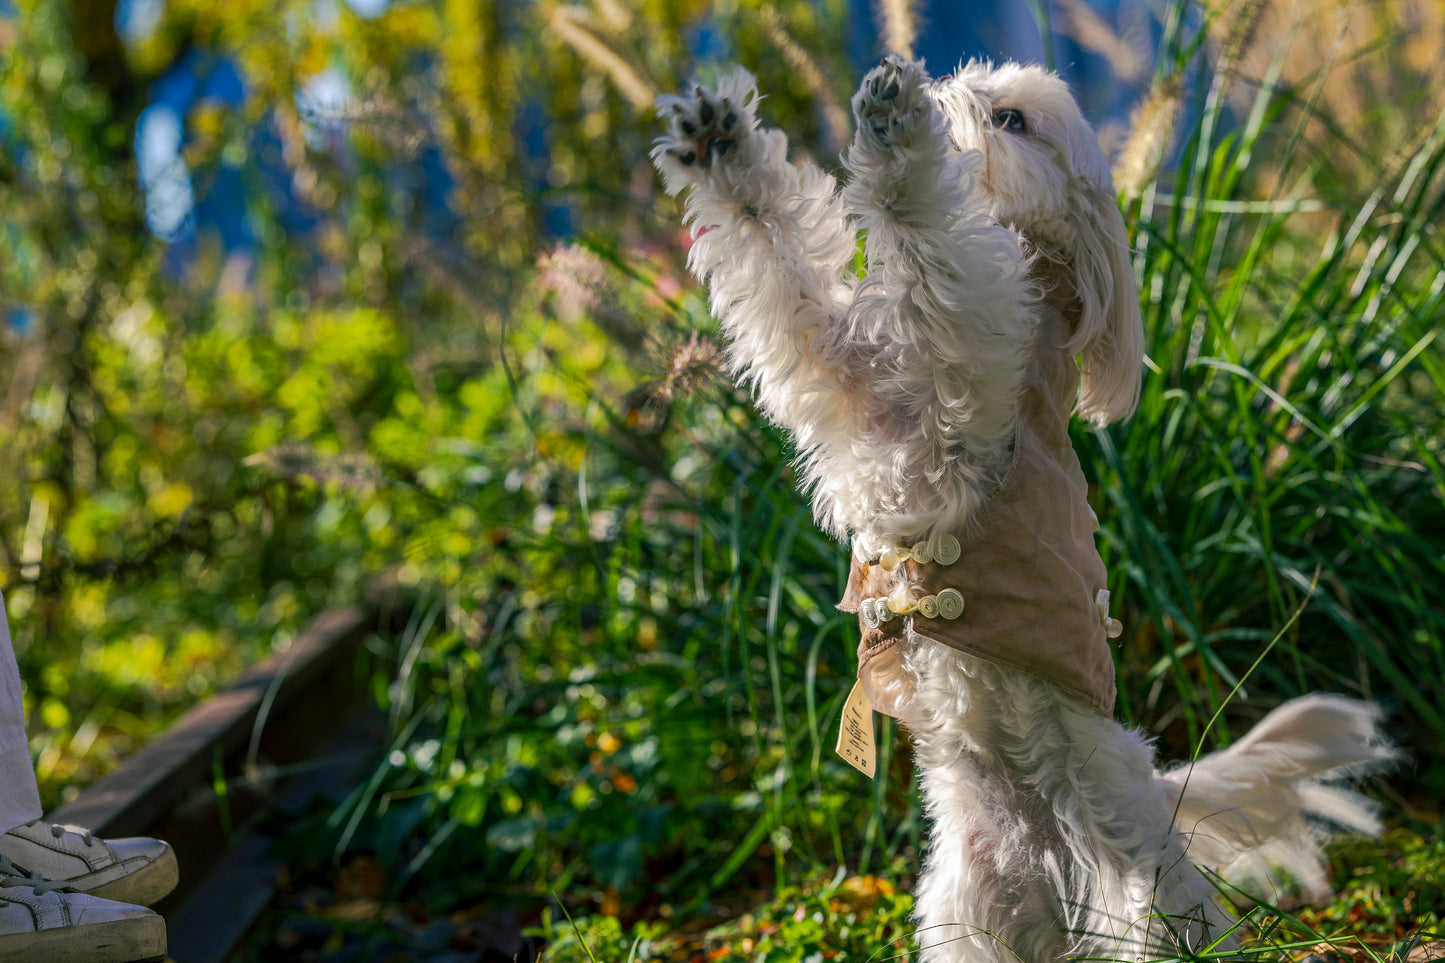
614	703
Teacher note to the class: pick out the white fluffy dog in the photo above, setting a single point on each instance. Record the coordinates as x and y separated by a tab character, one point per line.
929	403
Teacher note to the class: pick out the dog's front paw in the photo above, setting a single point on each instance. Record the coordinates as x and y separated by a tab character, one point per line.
706	128
890	107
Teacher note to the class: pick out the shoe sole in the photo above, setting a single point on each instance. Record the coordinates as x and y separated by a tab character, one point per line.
145	886
135	939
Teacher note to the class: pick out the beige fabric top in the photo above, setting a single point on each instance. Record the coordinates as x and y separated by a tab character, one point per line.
1030	571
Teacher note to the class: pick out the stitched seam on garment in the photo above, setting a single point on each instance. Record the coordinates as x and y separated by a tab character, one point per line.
1008	663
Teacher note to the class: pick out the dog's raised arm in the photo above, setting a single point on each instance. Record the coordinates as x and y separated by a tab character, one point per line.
899	391
948	294
771	241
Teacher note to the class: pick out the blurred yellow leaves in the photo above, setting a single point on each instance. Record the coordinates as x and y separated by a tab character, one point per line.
170	499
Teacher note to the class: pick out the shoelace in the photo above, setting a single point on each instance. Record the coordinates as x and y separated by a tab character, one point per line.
12	876
58	831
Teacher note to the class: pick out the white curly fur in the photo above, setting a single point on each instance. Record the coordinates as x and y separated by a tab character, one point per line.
1052	835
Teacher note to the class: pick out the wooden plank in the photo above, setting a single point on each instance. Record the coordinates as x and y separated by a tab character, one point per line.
145	787
201	784
219	911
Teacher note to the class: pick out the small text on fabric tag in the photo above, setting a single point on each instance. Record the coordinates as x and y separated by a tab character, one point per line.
855	732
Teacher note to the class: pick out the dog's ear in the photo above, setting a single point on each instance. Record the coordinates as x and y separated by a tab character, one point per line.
1110	335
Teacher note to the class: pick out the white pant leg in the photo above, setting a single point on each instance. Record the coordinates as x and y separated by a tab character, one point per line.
19	798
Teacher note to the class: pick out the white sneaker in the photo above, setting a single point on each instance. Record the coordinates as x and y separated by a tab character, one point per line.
133	870
42	922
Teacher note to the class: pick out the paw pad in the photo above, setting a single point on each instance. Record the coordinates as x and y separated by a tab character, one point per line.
703	128
888	98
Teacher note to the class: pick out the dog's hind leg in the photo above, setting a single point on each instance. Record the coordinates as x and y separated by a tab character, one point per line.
1050	838
983	896
989	888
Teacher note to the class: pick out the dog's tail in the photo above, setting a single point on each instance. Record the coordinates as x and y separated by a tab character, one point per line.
1260	810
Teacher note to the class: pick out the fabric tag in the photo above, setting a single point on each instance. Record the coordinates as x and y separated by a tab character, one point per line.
855	732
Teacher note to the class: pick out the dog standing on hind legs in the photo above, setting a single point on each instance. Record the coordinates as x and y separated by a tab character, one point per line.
929	403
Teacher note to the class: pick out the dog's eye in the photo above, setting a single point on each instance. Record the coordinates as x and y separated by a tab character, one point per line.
1008	118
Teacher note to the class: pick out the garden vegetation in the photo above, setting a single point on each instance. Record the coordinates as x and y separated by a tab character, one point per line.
435	332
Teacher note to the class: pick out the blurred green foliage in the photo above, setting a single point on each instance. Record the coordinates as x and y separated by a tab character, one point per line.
623	677
858	919
204	449
1393	888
